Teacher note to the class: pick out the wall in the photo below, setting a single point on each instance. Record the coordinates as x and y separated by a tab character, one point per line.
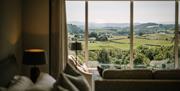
35	27
10	29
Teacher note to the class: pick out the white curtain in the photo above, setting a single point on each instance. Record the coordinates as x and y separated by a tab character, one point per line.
58	37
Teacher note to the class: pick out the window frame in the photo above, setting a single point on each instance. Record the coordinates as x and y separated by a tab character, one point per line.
176	42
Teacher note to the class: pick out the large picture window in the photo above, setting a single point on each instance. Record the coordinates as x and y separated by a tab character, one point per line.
153	34
125	34
109	32
75	11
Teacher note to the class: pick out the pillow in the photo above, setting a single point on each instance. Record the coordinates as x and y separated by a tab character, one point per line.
64	83
8	69
3	89
100	70
44	83
69	69
80	66
128	74
79	81
76	78
21	84
167	74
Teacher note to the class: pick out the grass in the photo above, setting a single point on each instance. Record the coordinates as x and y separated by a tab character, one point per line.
122	42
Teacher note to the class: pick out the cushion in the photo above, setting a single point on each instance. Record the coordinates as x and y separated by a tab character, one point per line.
167	74
64	83
80	66
21	83
76	78
80	82
83	68
127	74
44	83
69	69
8	69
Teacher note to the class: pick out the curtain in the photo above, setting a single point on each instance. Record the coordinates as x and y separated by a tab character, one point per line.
58	37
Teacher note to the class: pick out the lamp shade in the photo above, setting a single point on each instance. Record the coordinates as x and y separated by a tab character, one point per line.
34	57
76	46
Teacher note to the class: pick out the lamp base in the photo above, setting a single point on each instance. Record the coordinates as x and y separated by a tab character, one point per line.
35	72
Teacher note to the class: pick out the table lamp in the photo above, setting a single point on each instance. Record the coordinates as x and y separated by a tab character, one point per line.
34	57
76	46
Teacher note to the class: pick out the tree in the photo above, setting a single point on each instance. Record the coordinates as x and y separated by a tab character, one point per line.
141	59
93	34
103	56
102	38
74	29
141	34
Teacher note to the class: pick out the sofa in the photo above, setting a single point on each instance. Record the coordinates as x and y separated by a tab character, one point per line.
139	80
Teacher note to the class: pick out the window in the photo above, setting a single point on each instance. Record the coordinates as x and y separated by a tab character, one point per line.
153	34
109	32
117	33
75	26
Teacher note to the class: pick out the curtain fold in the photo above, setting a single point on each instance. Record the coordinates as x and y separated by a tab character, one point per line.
58	37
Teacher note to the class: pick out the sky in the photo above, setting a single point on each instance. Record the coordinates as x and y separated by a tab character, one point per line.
119	11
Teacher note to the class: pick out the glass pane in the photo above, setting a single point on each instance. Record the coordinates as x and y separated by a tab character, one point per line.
75	11
109	33
154	33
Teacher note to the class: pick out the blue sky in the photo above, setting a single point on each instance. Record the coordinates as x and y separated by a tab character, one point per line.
119	11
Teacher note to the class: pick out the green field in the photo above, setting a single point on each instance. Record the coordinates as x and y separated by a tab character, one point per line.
123	42
148	47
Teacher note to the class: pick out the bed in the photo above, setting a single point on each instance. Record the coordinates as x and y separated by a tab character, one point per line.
69	80
10	80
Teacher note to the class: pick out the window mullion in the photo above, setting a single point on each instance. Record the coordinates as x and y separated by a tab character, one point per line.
131	32
86	31
176	34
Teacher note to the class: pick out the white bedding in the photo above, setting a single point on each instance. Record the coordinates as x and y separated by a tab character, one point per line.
44	83
22	83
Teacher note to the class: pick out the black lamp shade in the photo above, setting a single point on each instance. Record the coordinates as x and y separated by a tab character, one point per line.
76	46
34	57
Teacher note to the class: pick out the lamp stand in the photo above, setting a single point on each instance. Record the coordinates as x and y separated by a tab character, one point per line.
35	72
76	57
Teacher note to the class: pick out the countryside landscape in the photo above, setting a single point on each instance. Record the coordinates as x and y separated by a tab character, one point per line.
109	43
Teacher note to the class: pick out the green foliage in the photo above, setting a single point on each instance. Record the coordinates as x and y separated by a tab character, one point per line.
103	56
116	60
74	29
156	53
93	55
93	34
116	43
141	59
102	38
148	52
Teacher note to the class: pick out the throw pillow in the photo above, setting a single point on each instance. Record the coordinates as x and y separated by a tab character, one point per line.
79	81
21	84
64	82
69	69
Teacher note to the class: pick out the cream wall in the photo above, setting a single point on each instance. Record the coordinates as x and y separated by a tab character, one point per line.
10	29
35	27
